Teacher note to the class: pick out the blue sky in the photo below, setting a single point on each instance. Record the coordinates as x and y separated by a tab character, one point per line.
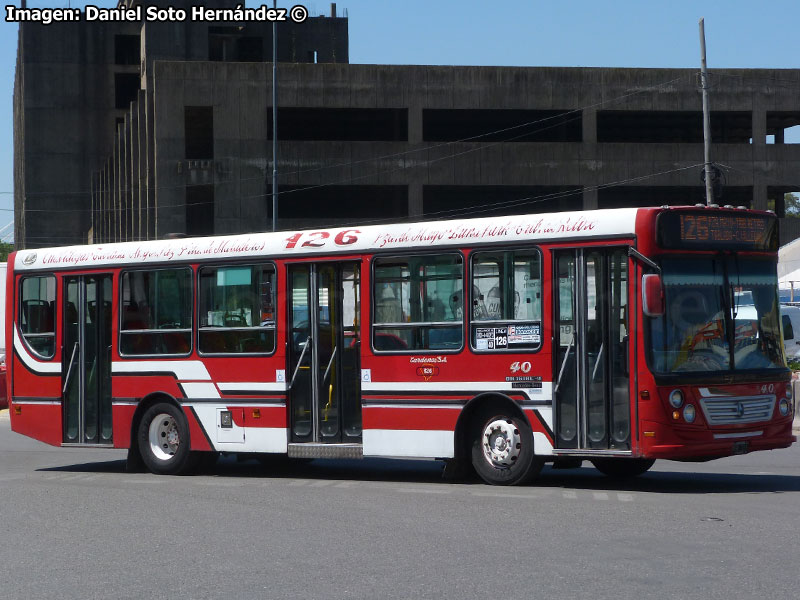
622	33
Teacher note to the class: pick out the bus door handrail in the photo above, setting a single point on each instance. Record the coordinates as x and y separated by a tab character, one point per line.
69	368
330	362
597	360
564	362
299	361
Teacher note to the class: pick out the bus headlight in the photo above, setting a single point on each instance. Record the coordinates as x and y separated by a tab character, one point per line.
783	407
676	398
789	391
689	413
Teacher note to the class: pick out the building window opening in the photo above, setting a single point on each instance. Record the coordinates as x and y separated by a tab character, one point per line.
199	210
494	125
341	124
127	49
126	89
199	132
783	127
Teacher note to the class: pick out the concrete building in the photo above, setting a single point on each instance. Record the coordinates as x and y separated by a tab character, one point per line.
84	90
187	147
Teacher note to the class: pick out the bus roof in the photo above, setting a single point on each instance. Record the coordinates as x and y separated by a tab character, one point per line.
573	225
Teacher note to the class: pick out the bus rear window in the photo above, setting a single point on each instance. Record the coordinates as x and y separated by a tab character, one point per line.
37	314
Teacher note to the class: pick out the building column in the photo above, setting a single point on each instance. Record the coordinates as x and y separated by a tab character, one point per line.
415	124
759	194
415	207
590	198
759	122
589	123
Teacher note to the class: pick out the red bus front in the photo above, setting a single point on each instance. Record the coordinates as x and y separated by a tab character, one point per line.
714	380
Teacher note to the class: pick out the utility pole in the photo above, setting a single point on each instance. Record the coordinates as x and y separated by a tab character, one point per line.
706	115
275	121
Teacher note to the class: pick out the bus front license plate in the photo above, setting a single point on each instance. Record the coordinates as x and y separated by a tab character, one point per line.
741	447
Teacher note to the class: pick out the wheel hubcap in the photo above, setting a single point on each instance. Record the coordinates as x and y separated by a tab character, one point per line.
164	437
501	443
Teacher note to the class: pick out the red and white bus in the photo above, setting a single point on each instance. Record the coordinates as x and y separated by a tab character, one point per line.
617	336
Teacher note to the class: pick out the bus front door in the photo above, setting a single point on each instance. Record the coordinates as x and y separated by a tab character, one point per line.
592	385
323	363
86	362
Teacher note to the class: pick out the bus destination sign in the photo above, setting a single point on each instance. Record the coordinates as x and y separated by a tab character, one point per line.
723	231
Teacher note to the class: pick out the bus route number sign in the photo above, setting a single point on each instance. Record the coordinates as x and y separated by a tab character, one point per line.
699	231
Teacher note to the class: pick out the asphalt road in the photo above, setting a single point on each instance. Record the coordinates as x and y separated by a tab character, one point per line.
73	524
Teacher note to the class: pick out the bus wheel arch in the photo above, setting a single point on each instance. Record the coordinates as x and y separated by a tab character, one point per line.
160	417
495	436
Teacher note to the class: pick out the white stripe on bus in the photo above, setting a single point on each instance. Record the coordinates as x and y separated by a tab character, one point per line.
30	362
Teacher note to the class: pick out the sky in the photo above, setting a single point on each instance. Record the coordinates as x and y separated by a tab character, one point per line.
570	33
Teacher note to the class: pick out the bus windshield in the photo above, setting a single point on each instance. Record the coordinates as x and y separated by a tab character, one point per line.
721	314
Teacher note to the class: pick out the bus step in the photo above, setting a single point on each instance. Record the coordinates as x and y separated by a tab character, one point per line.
312	450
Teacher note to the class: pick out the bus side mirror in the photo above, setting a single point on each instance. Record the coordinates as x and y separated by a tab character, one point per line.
652	295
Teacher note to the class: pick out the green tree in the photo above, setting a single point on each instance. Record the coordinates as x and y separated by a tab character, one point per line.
791	203
5	250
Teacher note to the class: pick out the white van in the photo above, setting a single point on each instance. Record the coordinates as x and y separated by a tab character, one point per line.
790	321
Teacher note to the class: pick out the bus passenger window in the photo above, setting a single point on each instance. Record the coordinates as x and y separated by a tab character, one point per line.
418	303
37	315
506	300
237	309
156	312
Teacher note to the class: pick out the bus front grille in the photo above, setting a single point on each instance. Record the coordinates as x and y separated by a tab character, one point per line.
738	410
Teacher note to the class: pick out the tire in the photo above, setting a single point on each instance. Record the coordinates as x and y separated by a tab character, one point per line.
502	448
164	441
623	468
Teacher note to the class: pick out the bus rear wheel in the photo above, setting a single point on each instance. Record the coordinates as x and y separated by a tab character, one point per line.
502	449
623	468
164	440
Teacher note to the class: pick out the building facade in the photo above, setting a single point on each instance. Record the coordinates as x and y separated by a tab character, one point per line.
189	149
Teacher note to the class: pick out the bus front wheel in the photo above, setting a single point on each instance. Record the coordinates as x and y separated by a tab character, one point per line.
164	439
502	449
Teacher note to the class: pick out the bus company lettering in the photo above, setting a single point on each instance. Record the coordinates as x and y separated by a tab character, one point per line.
72	257
427	359
436	235
568	225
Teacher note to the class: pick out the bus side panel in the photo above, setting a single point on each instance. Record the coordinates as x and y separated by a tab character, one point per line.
39	421
121	420
409	431
197	434
9	320
135	387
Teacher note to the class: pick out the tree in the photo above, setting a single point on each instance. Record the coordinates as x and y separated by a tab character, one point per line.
791	204
5	250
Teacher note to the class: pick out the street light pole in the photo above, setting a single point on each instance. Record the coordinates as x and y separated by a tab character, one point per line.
706	115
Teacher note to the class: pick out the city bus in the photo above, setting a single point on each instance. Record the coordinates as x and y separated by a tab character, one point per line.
613	336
